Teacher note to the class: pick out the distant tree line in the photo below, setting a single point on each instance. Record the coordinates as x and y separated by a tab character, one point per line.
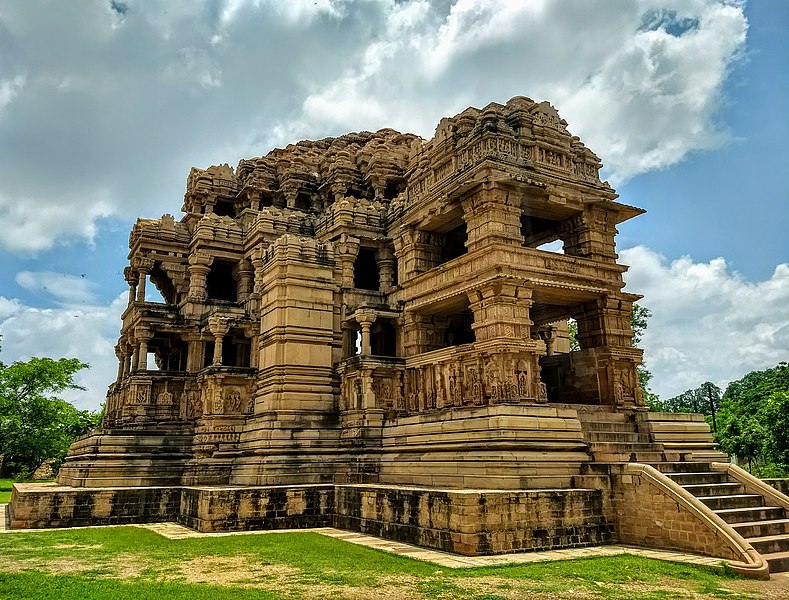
750	420
35	425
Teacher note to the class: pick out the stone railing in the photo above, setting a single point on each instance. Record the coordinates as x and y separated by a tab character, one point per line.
538	265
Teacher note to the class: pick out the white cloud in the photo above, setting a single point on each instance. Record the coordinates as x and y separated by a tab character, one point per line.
66	289
708	322
125	97
86	332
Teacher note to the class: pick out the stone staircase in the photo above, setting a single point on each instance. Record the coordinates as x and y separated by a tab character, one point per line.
765	527
615	438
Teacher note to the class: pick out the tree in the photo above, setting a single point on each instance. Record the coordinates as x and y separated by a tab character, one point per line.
35	425
754	417
704	399
775	416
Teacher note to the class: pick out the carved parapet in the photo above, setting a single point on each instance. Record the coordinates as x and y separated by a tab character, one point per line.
272	222
351	213
300	249
223	230
155	231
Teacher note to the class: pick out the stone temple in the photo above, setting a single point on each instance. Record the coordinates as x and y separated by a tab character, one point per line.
371	332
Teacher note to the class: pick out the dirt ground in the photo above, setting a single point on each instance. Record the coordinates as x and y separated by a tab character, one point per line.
245	571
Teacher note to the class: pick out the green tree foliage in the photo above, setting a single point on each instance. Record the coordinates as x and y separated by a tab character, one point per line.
705	399
36	425
753	422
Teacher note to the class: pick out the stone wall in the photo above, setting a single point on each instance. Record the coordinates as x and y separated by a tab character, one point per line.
36	506
646	516
466	522
475	522
782	485
275	507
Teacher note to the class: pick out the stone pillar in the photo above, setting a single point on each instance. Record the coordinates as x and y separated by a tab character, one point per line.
347	340
144	335
218	327
493	215
501	310
199	266
130	276
142	266
245	280
347	251
386	264
365	318
590	235
194	352
121	358
134	355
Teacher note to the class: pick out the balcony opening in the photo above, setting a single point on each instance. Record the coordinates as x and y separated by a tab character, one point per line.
266	199
458	329
392	190
225	208
454	243
383	337
538	231
208	354
236	351
170	352
354	192
365	271
220	283
163	285
303	202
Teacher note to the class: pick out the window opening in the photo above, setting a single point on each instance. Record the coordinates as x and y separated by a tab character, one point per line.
365	271
220	283
454	243
302	202
225	208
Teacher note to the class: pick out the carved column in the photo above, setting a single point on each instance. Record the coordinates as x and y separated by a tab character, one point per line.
199	266
501	310
144	335
194	352
120	357
143	266
130	276
590	235
386	264
347	251
245	280
493	215
365	319
218	327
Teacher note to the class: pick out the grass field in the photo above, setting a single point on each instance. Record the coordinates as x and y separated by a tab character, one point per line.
128	562
5	490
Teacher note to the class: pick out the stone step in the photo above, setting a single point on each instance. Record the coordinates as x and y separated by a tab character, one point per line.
617	437
604	426
604	417
749	515
753	529
770	544
684	467
697	478
779	561
701	490
622	447
628	457
733	501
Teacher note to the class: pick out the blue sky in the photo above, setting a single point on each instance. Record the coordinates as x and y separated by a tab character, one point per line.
104	107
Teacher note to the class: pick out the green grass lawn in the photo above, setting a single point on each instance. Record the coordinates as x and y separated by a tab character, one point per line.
129	562
5	490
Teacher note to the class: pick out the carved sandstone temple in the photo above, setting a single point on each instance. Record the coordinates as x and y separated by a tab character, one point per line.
371	331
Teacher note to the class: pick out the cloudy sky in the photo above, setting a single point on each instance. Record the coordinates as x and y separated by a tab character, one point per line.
106	104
